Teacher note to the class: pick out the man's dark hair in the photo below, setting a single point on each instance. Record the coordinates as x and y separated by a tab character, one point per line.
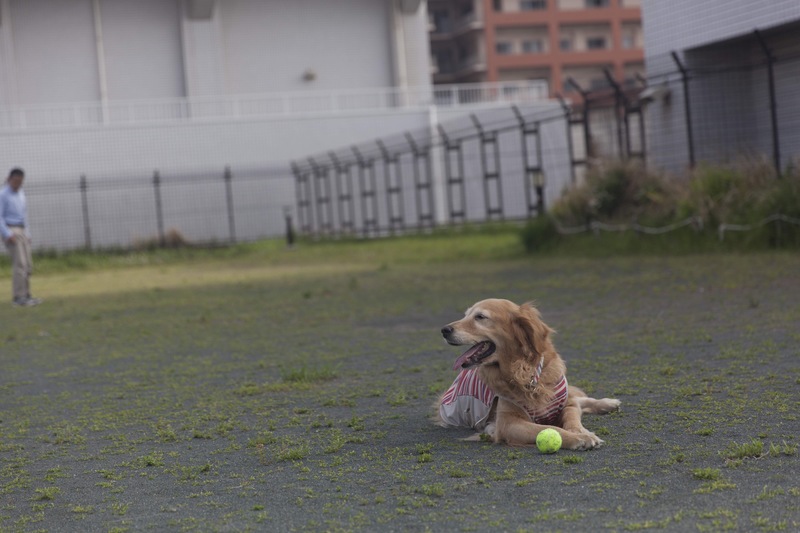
16	171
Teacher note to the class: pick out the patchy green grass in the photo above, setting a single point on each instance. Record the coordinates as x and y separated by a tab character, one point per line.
260	388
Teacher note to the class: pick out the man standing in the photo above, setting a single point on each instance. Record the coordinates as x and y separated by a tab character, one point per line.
13	214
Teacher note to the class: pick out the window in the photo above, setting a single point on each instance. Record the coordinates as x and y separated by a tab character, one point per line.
596	84
503	48
565	44
441	21
596	43
532	47
628	41
497	5
596	3
532	5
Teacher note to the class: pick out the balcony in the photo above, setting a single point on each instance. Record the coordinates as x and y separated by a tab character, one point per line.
444	30
265	106
453	71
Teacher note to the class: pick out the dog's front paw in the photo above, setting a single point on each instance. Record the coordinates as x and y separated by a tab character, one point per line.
587	441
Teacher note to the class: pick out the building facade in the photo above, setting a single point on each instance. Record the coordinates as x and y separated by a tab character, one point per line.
55	51
723	77
110	86
552	40
109	105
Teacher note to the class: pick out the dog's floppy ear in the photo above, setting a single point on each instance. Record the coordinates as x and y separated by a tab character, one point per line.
532	334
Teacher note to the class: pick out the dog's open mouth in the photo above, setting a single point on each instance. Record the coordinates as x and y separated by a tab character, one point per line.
476	353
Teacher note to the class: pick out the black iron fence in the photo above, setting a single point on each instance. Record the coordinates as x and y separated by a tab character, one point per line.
508	165
456	172
479	164
161	209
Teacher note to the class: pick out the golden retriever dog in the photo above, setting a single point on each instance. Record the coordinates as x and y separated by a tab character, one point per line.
512	383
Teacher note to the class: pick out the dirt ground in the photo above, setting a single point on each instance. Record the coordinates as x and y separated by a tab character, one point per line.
301	403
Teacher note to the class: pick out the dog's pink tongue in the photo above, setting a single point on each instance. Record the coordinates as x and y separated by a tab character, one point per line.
465	357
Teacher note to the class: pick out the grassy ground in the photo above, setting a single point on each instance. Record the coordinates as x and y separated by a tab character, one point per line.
260	388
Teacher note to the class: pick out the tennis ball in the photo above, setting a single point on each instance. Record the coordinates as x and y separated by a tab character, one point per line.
548	441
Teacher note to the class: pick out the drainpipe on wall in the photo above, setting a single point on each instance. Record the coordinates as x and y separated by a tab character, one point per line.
101	58
399	49
773	114
9	63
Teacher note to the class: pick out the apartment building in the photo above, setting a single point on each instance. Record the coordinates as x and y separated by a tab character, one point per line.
552	40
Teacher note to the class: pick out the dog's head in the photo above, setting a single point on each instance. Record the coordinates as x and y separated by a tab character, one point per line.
499	332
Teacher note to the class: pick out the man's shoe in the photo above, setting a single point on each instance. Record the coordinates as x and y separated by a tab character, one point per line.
26	302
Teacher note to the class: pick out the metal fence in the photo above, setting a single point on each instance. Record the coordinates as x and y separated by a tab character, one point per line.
496	165
510	168
227	206
726	101
485	163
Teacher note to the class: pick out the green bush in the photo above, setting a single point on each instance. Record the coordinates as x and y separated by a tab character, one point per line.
620	192
539	234
745	192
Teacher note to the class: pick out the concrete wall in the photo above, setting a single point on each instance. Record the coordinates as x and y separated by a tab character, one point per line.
728	90
56	51
682	24
118	51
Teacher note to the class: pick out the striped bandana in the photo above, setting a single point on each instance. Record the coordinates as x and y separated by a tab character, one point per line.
469	385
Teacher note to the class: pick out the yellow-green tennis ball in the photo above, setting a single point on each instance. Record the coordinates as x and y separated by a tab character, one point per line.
548	441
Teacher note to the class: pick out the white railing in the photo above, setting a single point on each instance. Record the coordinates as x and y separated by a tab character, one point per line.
96	114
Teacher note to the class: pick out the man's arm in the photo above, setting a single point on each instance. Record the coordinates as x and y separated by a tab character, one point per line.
4	230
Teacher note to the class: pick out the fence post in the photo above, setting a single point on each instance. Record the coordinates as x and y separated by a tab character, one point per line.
534	174
568	122
344	194
87	228
287	214
587	130
394	189
686	107
620	104
422	186
487	138
229	196
369	198
776	146
322	194
305	212
454	180
159	211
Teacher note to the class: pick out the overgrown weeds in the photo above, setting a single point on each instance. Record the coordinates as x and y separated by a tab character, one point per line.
745	193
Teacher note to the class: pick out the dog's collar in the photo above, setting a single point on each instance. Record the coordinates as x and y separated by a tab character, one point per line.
534	383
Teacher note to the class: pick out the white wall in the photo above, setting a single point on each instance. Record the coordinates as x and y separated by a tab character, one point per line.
267	46
52	59
730	110
152	49
681	24
142	45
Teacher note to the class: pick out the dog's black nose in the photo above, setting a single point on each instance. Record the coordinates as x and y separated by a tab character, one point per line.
446	331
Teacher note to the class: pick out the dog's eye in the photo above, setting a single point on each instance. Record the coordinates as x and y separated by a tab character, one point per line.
480	316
